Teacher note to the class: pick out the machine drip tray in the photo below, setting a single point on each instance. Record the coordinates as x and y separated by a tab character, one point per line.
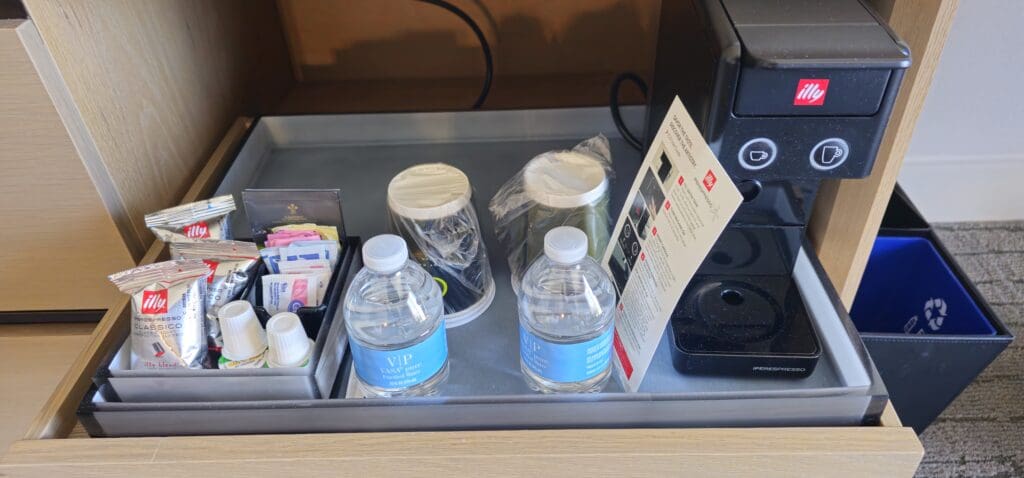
743	326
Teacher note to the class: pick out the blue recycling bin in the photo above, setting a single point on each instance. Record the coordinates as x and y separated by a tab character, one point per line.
925	326
908	288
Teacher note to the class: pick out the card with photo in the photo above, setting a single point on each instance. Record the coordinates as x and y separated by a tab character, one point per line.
630	243
619	267
667	172
653	195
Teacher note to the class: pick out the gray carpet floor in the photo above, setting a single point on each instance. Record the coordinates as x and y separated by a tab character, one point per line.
982	432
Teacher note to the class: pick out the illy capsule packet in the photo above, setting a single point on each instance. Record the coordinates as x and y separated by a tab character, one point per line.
194	221
232	263
168	313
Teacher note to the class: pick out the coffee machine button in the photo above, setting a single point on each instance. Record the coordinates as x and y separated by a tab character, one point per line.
829	154
757	153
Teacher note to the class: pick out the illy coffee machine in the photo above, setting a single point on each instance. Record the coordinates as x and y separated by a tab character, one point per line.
787	93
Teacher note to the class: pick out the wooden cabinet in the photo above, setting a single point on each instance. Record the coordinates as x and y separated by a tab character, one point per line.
159	85
60	238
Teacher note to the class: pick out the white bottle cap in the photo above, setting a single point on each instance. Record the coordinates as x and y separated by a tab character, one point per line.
565	245
429	191
385	253
288	344
565	180
244	337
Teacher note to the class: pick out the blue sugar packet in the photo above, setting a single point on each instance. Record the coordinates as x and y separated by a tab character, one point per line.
271	256
312	250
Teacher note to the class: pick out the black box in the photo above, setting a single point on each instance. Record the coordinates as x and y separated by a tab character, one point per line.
925	371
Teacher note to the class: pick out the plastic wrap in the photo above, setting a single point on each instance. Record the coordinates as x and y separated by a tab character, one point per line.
168	313
556	188
208	219
430	206
232	264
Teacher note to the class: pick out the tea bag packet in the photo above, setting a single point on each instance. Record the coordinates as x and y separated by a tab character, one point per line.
168	313
232	264
190	222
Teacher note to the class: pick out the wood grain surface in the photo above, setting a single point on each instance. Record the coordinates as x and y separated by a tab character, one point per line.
847	213
447	94
334	41
59	241
157	83
851	451
57	417
34	359
397	55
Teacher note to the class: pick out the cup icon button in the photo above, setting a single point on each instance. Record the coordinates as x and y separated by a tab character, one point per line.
757	153
829	154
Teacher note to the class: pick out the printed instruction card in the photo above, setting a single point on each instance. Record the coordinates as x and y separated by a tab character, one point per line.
679	204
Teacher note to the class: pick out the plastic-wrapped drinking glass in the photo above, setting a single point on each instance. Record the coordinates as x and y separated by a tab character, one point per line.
566	188
431	207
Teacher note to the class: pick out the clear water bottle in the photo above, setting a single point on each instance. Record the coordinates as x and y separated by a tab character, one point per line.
394	317
566	317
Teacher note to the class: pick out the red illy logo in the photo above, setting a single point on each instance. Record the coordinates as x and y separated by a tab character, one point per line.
710	180
810	92
197	230
154	301
212	265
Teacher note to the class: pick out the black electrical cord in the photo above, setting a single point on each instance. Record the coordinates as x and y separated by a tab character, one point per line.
614	103
486	47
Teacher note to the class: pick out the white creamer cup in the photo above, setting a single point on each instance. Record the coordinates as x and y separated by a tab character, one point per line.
288	344
244	337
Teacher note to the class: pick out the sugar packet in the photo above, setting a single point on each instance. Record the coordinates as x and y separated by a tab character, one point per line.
318	267
289	292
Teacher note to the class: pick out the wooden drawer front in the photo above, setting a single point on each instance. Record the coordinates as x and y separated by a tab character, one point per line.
764	452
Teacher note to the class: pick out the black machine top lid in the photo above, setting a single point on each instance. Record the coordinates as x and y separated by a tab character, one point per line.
814	34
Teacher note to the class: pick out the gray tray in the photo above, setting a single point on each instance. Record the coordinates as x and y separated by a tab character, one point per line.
359	154
117	380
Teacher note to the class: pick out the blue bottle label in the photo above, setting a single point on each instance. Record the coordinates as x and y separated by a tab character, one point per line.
397	369
566	362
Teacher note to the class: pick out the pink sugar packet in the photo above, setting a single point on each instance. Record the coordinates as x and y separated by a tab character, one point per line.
284	238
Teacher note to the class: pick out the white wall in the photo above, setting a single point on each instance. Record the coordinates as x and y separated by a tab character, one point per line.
966	160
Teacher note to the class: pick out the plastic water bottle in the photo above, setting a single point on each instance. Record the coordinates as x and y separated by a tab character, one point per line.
566	317
394	317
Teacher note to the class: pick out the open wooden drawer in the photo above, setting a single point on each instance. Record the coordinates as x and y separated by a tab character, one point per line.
56	445
884	449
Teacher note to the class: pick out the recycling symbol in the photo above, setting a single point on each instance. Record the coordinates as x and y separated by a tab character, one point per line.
935	312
